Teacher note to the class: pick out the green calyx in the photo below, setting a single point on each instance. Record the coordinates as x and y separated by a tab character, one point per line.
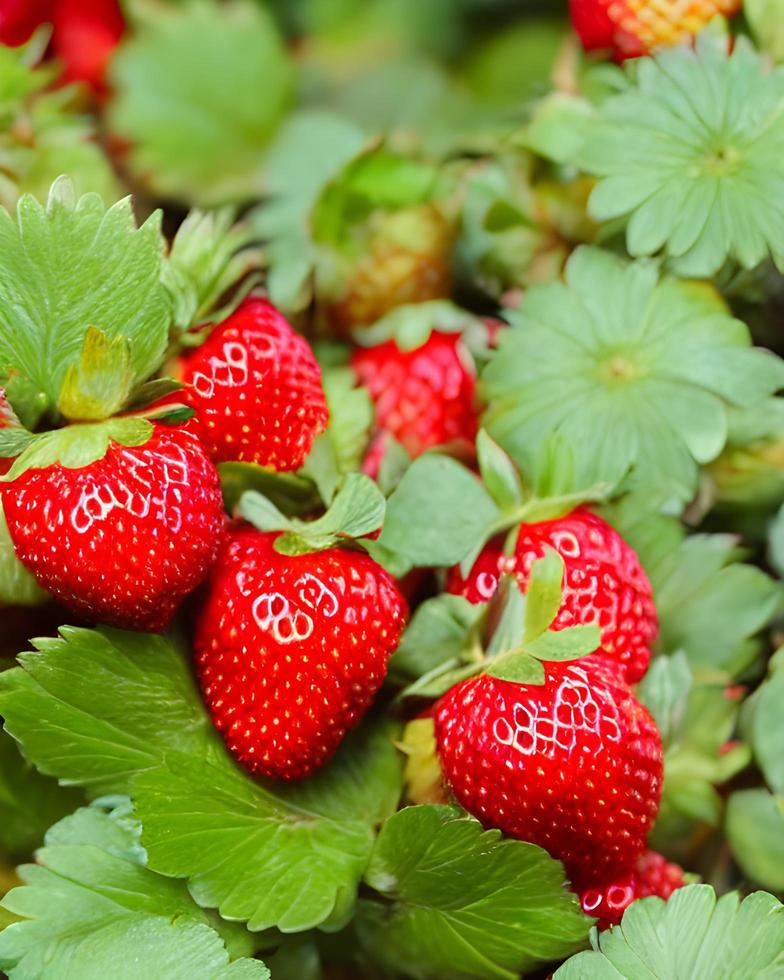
356	510
99	384
76	446
523	639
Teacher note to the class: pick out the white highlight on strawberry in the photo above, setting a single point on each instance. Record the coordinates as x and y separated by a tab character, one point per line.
538	730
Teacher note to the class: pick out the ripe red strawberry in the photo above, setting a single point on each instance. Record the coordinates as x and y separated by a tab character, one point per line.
256	389
630	28
653	874
85	34
573	765
603	583
423	397
290	651
123	539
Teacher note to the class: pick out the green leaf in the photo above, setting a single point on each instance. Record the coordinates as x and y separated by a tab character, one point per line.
619	349
90	909
351	416
311	148
694	934
708	606
686	165
13	440
567	644
498	472
99	383
289	492
755	833
665	692
71	264
509	631
439	513
18	587
357	509
462	902
766	19
767	730
140	703
440	632
76	446
518	666
544	595
200	91
285	856
29	802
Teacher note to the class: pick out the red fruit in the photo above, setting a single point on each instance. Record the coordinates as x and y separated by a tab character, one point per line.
603	582
85	34
630	28
124	539
290	651
423	397
653	874
19	18
482	580
256	389
573	765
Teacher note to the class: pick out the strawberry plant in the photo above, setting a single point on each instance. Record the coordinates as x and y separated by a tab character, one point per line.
391	489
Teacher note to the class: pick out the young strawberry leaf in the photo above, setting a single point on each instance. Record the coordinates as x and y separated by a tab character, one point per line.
200	90
499	473
686	161
544	595
519	667
209	255
14	441
357	509
567	644
90	903
654	361
79	445
339	450
439	513
462	902
694	934
99	383
70	264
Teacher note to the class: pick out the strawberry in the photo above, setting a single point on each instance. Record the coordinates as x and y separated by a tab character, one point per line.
653	874
256	389
290	651
604	582
123	539
573	765
423	397
85	34
19	18
630	28
393	258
